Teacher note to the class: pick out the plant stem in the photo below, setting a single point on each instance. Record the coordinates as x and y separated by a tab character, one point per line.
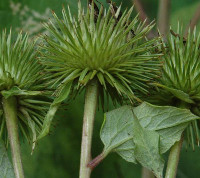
173	159
96	161
10	110
163	16
193	21
143	16
91	101
146	173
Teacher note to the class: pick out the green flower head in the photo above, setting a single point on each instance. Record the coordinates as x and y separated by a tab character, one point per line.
104	45
180	80
21	79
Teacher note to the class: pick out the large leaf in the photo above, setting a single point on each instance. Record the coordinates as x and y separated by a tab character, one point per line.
6	169
168	121
147	148
169	136
155	117
117	133
160	124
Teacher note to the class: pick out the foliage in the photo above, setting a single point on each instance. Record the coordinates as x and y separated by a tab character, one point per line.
159	127
61	153
179	84
6	169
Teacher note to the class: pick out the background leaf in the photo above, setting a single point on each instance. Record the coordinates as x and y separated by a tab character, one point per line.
6	169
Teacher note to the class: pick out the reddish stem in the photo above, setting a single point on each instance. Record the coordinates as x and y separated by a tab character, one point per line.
95	162
193	21
143	16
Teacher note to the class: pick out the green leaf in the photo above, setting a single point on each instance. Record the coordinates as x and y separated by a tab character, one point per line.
161	127
170	136
117	133
168	121
177	93
147	150
53	108
17	91
155	117
6	169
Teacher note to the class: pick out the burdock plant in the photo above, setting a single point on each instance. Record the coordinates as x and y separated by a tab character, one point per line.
22	94
180	84
103	51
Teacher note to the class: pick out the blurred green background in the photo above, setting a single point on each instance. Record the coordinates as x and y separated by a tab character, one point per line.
57	155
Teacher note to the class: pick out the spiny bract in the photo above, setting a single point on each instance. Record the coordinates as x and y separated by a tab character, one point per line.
180	81
108	47
181	69
21	77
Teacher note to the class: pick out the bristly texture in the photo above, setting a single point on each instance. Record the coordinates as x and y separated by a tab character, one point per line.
104	45
180	81
21	77
182	66
100	47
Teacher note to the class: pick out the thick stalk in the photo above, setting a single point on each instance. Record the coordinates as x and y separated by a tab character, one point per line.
146	173
163	16
173	160
10	110
91	101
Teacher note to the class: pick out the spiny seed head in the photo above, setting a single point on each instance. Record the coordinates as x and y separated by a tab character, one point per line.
180	82
20	77
108	47
180	79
